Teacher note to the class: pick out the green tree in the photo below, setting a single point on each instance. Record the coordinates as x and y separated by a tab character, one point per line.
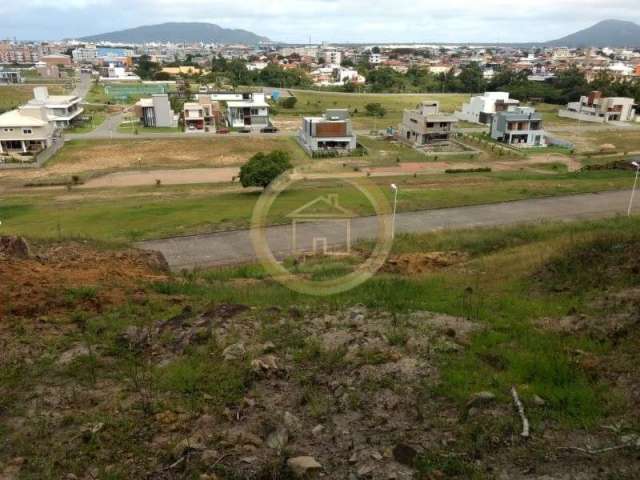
146	69
262	169
471	79
288	102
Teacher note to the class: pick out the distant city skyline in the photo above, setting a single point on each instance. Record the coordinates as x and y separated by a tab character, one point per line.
335	21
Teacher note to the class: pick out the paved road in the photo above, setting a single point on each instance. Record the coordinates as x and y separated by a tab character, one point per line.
234	247
83	86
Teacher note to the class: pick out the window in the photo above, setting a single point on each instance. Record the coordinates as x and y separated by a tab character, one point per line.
8	129
27	131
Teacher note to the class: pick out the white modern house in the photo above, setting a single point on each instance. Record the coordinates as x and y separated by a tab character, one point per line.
482	108
25	131
331	133
598	109
250	112
61	110
155	112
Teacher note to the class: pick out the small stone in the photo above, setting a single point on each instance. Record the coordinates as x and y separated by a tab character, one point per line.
234	352
317	430
376	455
292	422
301	466
268	347
70	355
480	399
278	439
264	365
364	471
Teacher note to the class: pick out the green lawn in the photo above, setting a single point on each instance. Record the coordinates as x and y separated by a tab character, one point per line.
315	103
164	211
12	96
136	127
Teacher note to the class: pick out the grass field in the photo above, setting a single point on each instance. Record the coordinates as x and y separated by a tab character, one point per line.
136	126
315	103
143	213
12	96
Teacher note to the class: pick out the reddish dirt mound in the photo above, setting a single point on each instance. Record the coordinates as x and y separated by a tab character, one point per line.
418	263
64	277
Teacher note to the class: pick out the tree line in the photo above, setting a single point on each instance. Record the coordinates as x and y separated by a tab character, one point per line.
567	86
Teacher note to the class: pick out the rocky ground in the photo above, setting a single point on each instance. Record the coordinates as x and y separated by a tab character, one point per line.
107	375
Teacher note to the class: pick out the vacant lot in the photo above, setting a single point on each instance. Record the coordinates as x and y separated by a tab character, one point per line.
85	157
315	103
625	140
12	96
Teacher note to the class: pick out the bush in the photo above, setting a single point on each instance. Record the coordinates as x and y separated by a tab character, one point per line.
375	110
262	169
288	102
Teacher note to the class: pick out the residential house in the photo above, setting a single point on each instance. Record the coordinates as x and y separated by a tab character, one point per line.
47	70
599	109
62	110
519	126
211	110
156	112
251	112
330	133
55	59
10	76
194	119
336	76
26	131
426	126
482	108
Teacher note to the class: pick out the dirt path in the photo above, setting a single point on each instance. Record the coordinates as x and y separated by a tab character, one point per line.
166	177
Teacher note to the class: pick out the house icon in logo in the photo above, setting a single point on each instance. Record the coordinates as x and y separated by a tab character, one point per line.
327	223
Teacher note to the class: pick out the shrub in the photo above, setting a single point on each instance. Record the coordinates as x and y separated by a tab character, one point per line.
262	169
375	110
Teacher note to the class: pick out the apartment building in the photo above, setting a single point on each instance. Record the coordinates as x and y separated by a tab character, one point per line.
598	109
251	112
25	131
519	126
330	133
156	112
61	110
56	59
85	55
482	108
426	126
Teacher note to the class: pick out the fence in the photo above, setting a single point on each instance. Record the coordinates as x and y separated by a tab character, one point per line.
39	159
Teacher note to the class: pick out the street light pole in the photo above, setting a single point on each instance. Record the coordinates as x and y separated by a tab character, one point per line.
635	184
394	187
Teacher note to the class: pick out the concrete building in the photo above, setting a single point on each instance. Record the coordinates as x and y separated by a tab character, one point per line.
331	56
194	118
251	112
61	110
155	112
25	131
426	126
598	109
56	59
85	55
519	126
10	76
330	133
47	70
482	108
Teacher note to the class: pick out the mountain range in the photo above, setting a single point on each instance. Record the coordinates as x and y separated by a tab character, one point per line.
608	33
179	32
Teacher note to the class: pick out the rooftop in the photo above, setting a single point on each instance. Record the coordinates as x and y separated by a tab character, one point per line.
15	118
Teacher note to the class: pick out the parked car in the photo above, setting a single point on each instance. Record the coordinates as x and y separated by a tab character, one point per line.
245	130
270	129
223	130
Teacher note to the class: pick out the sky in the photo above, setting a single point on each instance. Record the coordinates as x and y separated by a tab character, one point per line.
340	21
